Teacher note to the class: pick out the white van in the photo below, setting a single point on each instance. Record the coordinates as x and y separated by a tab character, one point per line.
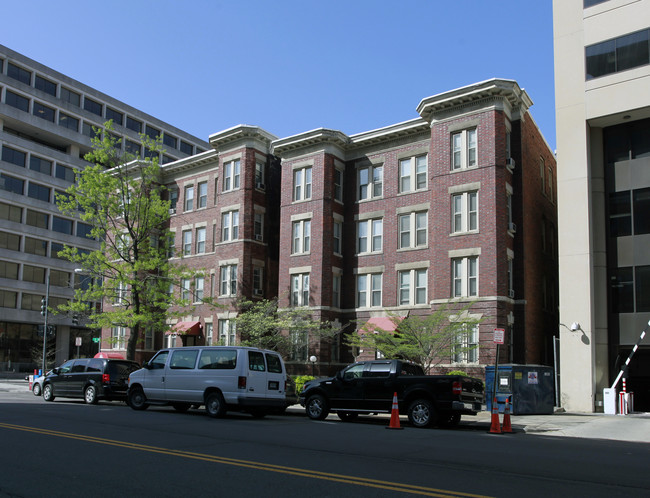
220	377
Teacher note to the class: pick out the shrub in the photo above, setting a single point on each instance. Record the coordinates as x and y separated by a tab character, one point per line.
300	381
458	372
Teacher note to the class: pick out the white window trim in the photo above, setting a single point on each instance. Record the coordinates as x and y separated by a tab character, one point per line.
370	290
413	230
413	174
464	214
412	286
304	187
302	295
370	235
371	185
463	264
188	189
200	240
463	149
232	178
226	277
301	238
230	217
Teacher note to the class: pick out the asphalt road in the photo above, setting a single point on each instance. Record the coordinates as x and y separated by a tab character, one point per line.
67	448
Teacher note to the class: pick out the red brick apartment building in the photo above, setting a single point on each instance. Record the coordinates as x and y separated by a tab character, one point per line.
454	207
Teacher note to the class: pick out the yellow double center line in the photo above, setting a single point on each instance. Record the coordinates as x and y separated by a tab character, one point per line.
280	469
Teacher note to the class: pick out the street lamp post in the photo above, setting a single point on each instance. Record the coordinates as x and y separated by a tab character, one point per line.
44	311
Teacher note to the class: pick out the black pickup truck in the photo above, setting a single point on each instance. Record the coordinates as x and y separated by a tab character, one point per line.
368	387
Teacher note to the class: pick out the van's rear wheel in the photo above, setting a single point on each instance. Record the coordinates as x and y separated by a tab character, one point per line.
317	407
215	405
90	395
137	399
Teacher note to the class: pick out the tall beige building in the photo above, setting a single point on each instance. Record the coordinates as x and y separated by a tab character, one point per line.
602	87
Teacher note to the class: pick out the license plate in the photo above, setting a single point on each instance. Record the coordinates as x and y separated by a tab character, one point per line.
274	385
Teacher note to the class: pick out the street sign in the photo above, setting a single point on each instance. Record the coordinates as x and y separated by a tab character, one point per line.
77	341
499	336
95	339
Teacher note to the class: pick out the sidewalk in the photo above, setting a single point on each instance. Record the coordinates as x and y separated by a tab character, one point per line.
633	428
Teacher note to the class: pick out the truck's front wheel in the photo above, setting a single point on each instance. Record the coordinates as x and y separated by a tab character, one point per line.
317	407
421	413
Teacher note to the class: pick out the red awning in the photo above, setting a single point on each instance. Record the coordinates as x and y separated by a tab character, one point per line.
382	322
107	354
186	328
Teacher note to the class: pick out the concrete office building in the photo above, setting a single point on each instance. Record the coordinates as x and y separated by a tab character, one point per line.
46	124
602	91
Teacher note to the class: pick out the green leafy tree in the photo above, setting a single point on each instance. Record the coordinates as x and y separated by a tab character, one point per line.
427	340
262	324
122	200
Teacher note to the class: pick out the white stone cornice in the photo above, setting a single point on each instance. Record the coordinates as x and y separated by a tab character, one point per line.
313	139
242	135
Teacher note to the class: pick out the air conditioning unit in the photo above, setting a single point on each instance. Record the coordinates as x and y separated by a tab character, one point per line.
258	236
512	228
510	162
172	210
511	294
257	292
260	186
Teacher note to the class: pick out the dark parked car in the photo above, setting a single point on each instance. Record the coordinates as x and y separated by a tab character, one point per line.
89	378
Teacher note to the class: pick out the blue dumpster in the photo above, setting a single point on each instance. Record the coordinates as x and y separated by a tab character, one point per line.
531	388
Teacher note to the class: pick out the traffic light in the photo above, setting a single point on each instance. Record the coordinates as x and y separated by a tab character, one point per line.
43	307
75	320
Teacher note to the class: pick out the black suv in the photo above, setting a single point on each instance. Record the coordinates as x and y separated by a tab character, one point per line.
89	378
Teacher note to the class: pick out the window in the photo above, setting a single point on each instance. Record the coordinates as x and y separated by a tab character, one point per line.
511	225
228	280
466	345
302	184
185	289
299	345
170	141
589	3
35	246
463	153
186	148
199	282
59	278
11	184
132	147
189	198
91	106
301	237
9	241
336	290
369	290
258	226
371	182
13	156
511	283
91	130
8	299
84	230
118	337
200	240
18	73
337	231
134	124
258	286
173	199
36	219
39	192
151	132
70	97
413	174
55	249
370	235
227	337
44	112
203	194
259	176
8	270
116	116
187	242
549	183
464	212
18	101
10	213
612	56
68	121
412	287
300	289
413	230
231	175
230	226
44	85
209	338
64	173
338	185
465	276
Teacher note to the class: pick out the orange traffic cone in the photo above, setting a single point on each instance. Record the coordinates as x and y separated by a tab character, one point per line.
507	426
394	415
495	428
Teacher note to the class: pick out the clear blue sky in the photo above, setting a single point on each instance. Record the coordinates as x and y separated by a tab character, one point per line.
289	66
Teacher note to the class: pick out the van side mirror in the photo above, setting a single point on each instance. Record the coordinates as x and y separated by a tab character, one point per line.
146	365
